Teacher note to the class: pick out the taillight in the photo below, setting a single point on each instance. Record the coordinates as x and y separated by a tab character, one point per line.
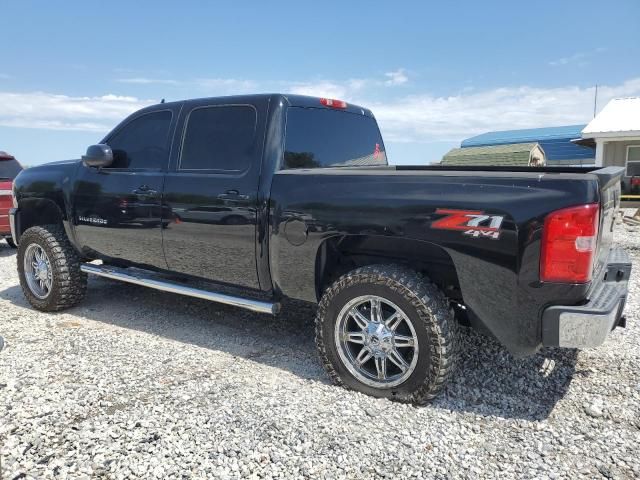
569	243
330	102
635	182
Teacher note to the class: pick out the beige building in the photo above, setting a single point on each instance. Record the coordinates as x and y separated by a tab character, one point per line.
616	134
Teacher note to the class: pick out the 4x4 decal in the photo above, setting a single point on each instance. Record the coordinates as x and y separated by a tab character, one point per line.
474	223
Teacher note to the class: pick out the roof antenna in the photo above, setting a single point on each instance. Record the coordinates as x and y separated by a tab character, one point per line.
162	101
595	102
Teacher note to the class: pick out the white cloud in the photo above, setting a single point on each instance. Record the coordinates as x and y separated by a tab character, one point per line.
427	118
320	89
579	58
347	89
225	85
330	89
63	112
398	77
212	85
148	81
415	118
567	60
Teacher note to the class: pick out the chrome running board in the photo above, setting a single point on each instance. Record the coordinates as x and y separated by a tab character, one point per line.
120	274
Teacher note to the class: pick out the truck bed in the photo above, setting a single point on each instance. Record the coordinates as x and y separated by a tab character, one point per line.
367	209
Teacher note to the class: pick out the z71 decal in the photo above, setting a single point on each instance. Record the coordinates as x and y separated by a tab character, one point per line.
474	223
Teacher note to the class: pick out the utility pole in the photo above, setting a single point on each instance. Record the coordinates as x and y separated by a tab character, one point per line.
595	102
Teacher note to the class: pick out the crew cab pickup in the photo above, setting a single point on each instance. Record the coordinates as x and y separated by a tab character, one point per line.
253	200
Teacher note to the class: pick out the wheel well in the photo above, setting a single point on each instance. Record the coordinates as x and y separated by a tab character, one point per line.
340	255
38	211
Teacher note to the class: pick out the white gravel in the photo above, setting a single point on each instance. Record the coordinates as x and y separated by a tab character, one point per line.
135	383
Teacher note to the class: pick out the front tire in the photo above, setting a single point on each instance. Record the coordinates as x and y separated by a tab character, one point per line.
385	331
49	269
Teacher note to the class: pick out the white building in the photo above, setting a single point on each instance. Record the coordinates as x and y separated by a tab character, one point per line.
616	133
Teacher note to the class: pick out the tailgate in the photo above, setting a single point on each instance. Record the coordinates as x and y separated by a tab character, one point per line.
609	182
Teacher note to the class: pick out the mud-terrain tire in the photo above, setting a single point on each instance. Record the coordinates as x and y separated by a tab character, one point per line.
429	326
10	242
68	283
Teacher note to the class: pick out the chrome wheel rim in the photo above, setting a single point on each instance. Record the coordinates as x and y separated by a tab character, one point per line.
376	341
37	271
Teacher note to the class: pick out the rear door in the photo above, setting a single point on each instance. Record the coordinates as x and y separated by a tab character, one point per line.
118	210
211	190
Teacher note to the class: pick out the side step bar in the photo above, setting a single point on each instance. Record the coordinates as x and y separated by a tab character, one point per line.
120	274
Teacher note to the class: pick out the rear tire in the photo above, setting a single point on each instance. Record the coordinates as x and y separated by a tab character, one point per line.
10	242
363	348
51	278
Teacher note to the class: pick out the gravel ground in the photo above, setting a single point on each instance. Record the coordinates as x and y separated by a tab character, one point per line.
134	383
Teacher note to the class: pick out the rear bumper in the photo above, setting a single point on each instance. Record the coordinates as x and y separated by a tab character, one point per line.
588	325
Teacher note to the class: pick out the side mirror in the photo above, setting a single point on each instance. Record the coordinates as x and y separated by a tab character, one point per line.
98	156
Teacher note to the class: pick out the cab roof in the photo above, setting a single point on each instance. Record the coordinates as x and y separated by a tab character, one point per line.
290	100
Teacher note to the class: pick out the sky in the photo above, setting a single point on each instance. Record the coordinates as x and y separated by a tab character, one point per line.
433	73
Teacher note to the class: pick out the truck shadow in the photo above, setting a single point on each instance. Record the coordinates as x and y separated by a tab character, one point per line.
6	250
489	380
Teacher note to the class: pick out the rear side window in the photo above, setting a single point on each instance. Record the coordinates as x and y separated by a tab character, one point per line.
143	142
319	137
219	138
9	168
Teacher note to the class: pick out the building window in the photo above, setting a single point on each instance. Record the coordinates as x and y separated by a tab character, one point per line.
633	161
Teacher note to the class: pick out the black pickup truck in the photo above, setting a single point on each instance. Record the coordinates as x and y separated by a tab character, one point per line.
289	197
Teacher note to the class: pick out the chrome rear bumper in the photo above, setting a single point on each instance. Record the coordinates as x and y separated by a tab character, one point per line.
588	325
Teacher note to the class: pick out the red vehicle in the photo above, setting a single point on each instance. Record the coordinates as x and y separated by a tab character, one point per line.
9	168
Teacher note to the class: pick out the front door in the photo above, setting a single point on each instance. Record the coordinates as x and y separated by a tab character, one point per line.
211	191
118	210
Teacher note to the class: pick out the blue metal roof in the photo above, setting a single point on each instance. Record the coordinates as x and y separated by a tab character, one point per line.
555	141
524	136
